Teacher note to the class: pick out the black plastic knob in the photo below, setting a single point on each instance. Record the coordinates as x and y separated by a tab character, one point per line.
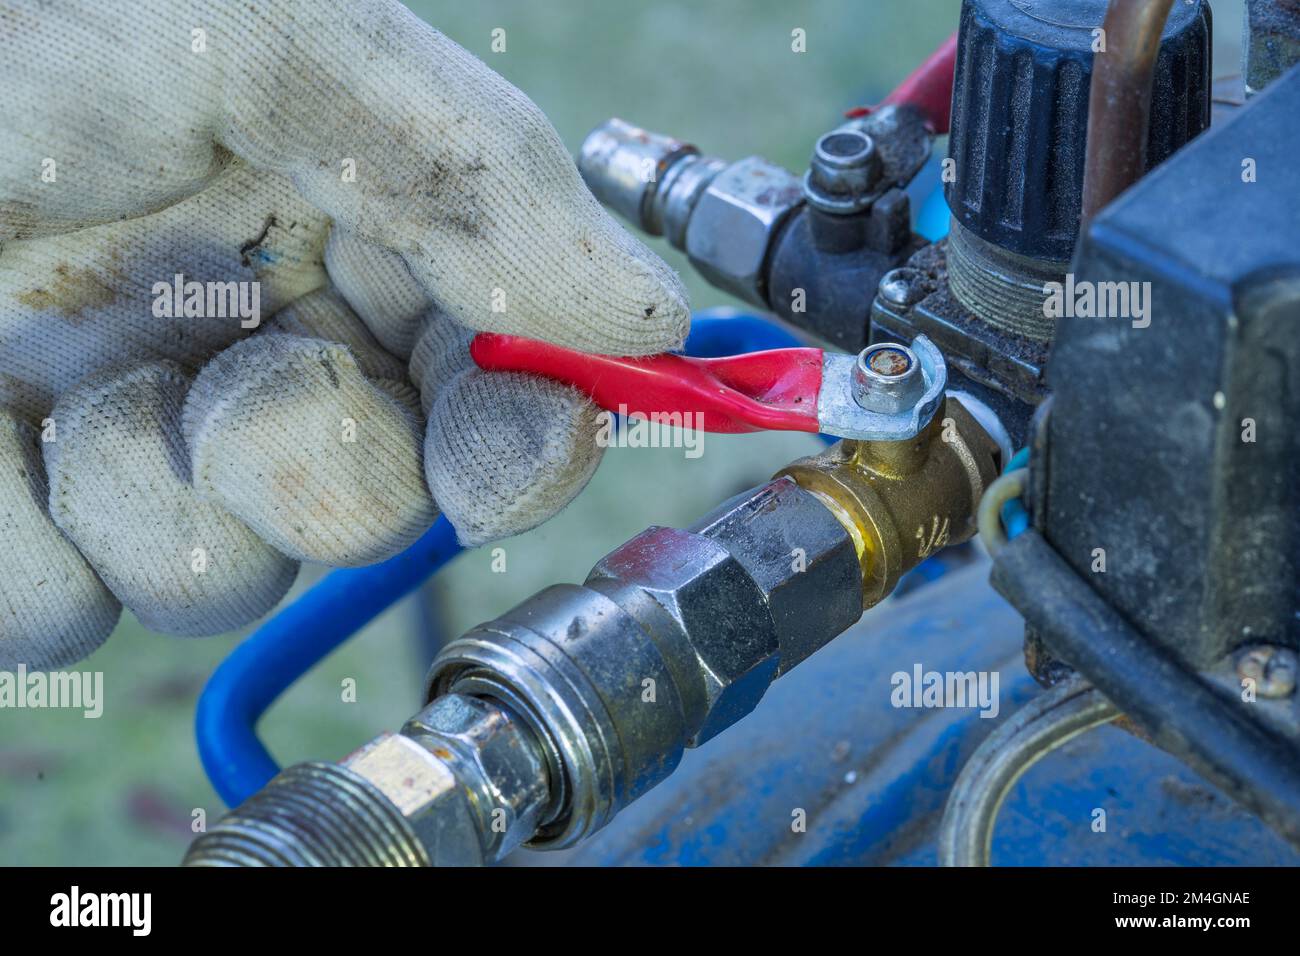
1020	113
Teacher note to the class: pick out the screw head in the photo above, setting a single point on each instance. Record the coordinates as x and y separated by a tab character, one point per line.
1273	669
902	287
887	378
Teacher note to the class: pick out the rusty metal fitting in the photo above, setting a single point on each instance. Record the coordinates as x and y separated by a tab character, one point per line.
887	378
845	172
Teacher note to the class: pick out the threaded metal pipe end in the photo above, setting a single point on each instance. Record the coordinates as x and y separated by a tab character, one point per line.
313	814
1001	288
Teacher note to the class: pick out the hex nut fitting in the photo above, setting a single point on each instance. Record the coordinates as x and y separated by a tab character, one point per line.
717	606
887	378
800	557
424	789
734	222
496	760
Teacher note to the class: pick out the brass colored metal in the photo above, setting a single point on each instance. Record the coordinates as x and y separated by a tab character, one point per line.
901	501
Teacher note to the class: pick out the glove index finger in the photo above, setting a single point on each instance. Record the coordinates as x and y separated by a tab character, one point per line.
413	144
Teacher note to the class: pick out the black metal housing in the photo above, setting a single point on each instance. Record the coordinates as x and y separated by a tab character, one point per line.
1020	114
1165	468
1146	450
1216	735
1004	371
837	263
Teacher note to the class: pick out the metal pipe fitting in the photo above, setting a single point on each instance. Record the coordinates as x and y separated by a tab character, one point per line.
810	247
902	501
464	783
724	216
1119	111
312	814
1006	290
542	724
674	636
650	179
677	634
845	172
734	224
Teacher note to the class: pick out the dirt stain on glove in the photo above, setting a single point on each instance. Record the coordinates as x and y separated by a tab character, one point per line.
73	291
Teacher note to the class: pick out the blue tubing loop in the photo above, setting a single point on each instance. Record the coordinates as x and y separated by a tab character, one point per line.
1015	519
287	646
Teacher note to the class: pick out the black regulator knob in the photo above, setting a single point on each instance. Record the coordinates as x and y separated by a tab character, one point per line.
1020	113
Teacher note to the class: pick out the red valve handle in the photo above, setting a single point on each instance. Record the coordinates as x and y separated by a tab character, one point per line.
757	391
928	89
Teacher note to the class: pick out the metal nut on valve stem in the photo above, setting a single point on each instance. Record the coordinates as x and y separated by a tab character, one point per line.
889	392
887	378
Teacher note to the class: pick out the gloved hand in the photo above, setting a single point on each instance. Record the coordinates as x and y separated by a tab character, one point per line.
387	192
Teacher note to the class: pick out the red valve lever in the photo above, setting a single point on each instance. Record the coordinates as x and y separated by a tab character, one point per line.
757	391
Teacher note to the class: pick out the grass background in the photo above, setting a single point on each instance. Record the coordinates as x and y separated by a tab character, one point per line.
122	789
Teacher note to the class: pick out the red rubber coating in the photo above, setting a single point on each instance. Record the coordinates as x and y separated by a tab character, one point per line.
928	89
758	391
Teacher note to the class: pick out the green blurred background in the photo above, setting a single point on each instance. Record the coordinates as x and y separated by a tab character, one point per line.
123	789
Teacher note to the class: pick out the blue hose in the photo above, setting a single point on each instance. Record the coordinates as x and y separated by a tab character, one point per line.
723	331
301	635
1015	518
290	644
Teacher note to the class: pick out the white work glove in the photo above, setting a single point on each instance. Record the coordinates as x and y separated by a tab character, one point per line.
388	192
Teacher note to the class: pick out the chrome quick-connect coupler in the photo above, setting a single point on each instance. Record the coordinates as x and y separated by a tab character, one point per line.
674	636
